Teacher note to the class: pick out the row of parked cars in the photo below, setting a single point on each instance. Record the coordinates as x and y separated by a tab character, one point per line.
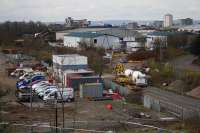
36	85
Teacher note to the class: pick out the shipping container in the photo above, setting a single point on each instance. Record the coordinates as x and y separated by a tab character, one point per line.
91	90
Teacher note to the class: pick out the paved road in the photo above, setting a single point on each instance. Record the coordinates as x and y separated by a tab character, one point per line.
185	62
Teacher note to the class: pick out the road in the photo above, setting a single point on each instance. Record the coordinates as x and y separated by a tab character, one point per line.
185	62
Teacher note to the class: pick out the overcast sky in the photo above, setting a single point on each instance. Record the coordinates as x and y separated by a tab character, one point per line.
58	10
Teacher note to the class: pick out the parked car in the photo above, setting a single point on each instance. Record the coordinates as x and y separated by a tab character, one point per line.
20	71
23	94
47	90
41	88
30	74
27	81
67	95
40	83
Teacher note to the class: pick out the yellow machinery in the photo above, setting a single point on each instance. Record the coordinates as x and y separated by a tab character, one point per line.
117	54
119	69
120	77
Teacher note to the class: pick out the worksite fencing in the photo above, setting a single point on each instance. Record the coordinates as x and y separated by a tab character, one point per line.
47	128
80	126
164	102
109	84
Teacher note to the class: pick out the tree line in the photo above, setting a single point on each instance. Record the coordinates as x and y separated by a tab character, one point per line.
13	30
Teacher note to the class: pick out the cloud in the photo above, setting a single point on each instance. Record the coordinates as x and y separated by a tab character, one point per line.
58	10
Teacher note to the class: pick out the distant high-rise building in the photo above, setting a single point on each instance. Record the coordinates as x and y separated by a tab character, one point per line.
168	20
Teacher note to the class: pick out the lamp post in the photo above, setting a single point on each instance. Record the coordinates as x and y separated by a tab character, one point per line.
56	111
63	110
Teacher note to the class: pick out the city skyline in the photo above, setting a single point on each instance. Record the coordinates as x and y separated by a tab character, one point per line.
51	10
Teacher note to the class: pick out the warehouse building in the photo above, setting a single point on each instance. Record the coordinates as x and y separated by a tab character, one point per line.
108	37
131	39
60	34
75	39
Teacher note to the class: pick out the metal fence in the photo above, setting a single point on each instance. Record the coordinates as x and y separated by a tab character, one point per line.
116	87
46	128
41	128
166	103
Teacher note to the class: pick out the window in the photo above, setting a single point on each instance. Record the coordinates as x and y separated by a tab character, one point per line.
95	41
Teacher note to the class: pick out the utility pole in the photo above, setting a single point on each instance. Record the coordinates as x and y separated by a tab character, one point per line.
56	112
31	101
63	110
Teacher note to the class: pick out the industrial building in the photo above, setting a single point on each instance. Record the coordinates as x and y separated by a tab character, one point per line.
107	37
184	22
168	21
71	23
190	28
75	39
154	38
72	62
131	39
60	34
73	71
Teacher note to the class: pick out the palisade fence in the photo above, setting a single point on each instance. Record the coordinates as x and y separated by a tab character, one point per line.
181	106
124	91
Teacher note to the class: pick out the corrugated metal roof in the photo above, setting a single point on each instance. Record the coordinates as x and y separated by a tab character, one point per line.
117	32
84	34
121	32
83	30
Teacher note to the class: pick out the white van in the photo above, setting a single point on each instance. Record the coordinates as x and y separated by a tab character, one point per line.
68	95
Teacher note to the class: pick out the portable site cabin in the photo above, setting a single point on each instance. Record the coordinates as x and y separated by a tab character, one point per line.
72	62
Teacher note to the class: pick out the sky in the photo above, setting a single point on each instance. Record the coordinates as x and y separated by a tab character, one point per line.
58	10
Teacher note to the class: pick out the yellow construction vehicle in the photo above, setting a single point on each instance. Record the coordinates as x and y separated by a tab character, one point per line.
120	77
119	69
